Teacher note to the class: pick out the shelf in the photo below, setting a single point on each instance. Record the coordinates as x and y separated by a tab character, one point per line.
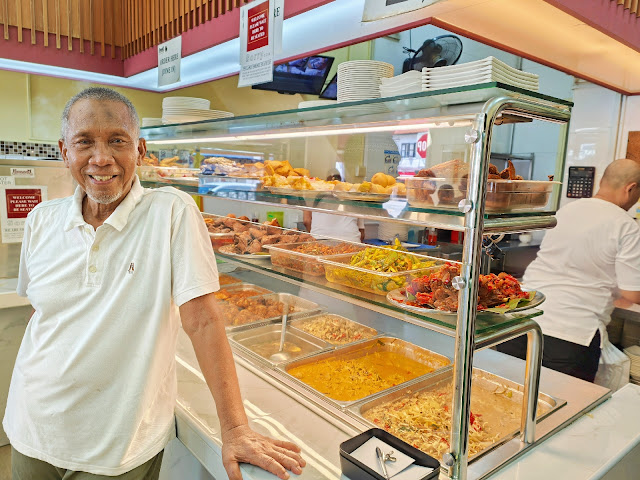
441	322
458	101
395	210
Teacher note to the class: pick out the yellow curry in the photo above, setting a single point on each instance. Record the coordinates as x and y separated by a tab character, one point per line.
348	380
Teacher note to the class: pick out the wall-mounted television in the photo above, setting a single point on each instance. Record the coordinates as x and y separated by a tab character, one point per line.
330	92
305	75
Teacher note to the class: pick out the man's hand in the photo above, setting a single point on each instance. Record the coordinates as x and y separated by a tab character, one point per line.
243	445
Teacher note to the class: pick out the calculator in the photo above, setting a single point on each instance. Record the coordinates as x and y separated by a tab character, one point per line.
580	182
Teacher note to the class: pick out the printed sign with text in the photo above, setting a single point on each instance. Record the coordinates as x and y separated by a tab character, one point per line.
377	9
256	45
16	204
169	57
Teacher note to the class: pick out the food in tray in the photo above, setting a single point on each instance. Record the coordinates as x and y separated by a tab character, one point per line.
232	294
383	263
436	290
505	189
380	183
297	183
335	329
266	349
243	310
225	279
423	419
151	160
249	238
350	379
283	168
304	257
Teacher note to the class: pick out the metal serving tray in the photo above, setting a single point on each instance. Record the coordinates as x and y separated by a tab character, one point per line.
371	332
547	404
244	340
356	350
301	306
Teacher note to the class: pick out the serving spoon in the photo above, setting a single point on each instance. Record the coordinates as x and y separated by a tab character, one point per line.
280	355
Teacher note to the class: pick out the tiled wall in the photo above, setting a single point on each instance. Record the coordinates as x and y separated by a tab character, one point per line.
28	149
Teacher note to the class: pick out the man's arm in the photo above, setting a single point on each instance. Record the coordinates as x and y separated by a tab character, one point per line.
306	219
204	325
631	296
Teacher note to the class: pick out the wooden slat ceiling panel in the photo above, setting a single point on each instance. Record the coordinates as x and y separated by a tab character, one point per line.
131	25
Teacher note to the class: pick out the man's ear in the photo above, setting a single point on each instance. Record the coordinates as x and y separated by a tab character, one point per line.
63	152
142	150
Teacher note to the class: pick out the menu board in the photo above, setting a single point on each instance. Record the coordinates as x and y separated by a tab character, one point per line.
15	205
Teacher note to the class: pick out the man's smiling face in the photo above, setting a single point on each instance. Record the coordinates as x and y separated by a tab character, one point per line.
101	149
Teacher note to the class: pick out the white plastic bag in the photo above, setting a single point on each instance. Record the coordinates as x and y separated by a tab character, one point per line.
613	368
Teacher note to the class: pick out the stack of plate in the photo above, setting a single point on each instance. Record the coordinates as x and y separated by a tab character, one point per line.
151	122
188	109
408	82
487	70
361	79
633	352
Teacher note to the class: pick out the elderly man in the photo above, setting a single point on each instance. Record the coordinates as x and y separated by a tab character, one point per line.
93	390
592	252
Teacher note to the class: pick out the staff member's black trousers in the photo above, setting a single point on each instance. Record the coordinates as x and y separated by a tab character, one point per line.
566	357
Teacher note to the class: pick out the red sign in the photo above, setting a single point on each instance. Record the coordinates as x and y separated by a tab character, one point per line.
258	27
421	146
21	201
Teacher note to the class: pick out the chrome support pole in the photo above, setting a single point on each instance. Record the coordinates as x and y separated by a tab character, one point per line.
532	370
454	463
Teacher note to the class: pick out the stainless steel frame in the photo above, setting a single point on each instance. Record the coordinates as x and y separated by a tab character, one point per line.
455	463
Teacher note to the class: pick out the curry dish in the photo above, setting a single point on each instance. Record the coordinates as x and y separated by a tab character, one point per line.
356	378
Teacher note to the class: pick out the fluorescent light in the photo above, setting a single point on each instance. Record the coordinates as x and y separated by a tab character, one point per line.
310	132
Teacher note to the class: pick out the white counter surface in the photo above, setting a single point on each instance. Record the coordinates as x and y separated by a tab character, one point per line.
586	449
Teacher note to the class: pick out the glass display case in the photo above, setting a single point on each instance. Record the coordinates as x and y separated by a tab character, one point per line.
443	140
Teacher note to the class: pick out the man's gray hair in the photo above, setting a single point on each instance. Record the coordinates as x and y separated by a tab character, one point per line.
102	94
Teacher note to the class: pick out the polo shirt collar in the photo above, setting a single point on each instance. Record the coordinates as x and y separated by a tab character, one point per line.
118	219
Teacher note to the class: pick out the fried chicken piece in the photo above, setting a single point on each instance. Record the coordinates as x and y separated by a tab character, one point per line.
493	169
245	218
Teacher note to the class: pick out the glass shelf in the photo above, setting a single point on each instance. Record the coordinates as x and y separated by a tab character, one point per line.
444	323
459	102
396	210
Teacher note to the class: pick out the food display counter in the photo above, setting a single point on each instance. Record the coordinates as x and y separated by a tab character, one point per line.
442	316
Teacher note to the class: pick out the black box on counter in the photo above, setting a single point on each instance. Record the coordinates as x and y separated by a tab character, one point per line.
356	470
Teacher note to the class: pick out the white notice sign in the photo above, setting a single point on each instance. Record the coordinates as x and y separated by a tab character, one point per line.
169	56
377	9
6	180
256	44
278	22
23	172
15	205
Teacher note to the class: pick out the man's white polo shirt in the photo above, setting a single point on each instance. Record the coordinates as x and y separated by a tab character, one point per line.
94	384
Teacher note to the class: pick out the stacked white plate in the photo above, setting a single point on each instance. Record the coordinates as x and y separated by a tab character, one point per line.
408	82
487	70
189	109
633	352
361	79
151	122
186	102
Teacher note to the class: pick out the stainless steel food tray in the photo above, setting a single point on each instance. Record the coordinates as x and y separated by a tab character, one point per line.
547	404
371	331
355	350
241	287
243	340
302	306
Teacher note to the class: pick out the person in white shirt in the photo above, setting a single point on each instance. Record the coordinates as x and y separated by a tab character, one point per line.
592	253
110	273
334	226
